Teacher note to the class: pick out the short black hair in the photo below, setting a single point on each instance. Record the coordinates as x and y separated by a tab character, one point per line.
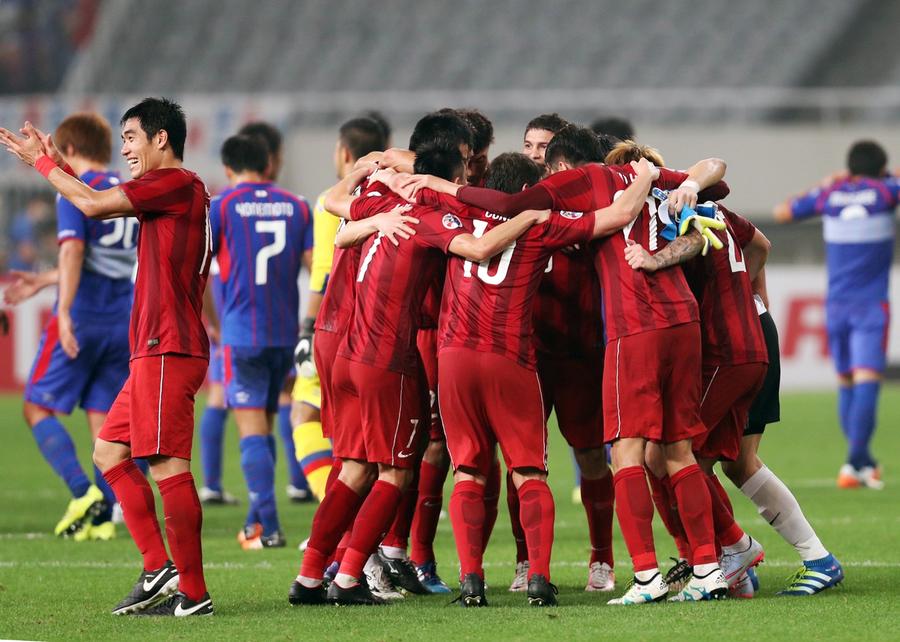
243	153
439	159
606	144
574	145
445	127
511	171
157	114
620	128
482	129
549	122
382	121
269	134
361	136
867	158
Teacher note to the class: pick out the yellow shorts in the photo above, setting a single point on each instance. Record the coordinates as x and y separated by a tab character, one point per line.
307	390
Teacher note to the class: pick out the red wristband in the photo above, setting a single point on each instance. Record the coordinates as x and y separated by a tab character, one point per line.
44	164
68	170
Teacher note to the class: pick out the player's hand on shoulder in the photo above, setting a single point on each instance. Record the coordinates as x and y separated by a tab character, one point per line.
537	216
394	223
372	160
639	259
409	185
643	166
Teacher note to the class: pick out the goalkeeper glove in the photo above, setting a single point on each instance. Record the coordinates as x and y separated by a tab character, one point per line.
704	223
303	352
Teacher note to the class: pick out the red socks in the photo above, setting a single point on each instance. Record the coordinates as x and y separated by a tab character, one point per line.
491	502
335	514
537	514
664	499
512	502
374	517
727	530
597	497
428	512
184	521
398	535
467	518
634	507
695	510
139	510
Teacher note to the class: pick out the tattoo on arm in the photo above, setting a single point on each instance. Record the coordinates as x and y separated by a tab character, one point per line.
680	250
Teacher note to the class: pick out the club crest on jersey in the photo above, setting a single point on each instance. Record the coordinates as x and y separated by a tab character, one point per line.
571	215
451	222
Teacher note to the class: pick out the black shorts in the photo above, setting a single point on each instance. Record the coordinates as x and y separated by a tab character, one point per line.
766	408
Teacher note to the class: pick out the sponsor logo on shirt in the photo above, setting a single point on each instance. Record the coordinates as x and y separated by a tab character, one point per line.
451	222
571	215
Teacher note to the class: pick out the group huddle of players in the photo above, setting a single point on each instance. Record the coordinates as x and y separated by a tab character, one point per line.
464	302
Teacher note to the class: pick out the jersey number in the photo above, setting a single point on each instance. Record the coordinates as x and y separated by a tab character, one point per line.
266	252
122	231
483	267
735	256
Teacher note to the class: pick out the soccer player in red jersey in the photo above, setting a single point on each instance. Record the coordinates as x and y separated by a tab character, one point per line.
378	401
490	392
569	343
652	329
153	416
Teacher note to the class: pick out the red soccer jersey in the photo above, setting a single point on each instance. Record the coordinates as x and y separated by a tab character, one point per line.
567	311
731	331
174	251
340	293
391	282
489	307
634	301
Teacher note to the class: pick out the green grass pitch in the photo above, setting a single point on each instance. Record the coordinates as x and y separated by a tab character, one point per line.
52	589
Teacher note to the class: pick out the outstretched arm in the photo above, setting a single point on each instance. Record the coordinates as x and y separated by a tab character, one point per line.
630	202
497	239
101	204
340	196
27	284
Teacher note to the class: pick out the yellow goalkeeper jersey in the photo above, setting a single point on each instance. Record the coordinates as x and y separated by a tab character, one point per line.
325	228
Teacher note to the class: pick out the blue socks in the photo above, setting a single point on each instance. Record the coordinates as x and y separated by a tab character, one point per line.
845	401
212	430
259	471
861	423
286	430
108	495
58	449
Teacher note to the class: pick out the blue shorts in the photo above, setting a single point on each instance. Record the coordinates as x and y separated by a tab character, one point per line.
857	334
91	380
216	373
255	376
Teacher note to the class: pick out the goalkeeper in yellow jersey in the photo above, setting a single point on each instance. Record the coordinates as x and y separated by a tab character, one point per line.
357	137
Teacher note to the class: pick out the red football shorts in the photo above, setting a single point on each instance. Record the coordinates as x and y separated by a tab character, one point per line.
487	399
154	411
573	387
378	415
728	393
426	341
324	354
651	385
